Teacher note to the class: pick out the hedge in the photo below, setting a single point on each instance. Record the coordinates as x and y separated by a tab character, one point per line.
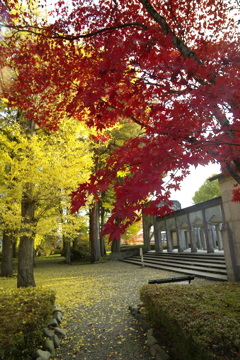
24	313
202	321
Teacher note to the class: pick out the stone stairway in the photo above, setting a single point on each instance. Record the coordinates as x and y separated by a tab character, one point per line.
211	266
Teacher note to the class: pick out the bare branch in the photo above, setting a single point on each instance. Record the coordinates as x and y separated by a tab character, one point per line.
40	31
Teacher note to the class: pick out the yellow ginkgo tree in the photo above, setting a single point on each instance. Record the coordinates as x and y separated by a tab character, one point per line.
40	170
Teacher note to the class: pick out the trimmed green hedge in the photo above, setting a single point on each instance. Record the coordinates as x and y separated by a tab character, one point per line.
23	315
202	321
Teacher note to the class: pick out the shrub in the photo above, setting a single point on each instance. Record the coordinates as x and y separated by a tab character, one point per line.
23	315
203	321
80	253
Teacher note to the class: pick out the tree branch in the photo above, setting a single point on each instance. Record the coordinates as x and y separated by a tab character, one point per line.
185	51
40	31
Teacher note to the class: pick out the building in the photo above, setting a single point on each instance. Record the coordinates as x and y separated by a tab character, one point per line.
210	226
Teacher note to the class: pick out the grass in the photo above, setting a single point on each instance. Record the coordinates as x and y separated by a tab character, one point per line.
202	321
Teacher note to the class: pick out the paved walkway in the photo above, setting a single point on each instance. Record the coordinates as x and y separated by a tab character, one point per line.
95	301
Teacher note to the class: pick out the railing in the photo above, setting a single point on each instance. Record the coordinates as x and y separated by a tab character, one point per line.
175	279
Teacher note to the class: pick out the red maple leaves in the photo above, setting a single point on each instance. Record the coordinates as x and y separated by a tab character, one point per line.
172	68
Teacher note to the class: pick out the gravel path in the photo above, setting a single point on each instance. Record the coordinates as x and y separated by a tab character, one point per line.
95	301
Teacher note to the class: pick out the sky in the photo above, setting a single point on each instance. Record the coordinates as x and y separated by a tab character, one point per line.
193	182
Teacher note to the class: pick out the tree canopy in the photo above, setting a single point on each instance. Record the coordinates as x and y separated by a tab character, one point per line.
171	67
208	190
53	164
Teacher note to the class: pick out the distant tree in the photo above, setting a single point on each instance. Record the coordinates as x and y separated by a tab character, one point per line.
131	233
208	190
104	143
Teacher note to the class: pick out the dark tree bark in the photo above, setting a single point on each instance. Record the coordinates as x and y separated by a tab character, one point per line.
25	262
26	247
94	233
115	247
14	246
64	247
102	242
67	251
7	256
25	276
75	243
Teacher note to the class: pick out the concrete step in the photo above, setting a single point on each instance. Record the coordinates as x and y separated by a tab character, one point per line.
183	271
204	257
173	264
211	267
186	265
212	263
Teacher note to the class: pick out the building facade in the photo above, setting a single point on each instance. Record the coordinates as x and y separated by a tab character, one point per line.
213	225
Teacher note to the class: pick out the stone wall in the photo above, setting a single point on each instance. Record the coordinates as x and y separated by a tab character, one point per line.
231	228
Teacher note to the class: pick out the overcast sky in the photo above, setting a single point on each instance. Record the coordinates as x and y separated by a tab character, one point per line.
193	182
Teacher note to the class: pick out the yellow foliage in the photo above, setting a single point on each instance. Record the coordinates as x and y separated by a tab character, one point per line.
50	166
28	310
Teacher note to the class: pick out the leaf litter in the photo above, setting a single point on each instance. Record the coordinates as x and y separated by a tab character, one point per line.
95	299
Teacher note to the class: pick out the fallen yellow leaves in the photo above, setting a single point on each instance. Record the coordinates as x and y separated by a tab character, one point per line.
95	300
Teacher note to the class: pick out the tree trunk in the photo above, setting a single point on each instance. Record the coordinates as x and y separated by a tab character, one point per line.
25	262
102	242
26	246
67	252
75	243
25	276
14	247
64	250
7	256
94	233
115	247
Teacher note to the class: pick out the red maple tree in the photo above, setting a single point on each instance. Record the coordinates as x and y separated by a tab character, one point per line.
170	66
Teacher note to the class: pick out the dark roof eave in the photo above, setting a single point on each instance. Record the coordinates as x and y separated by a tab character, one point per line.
215	177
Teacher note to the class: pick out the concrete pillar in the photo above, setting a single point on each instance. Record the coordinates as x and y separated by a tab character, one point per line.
211	243
192	235
208	238
179	236
157	236
169	239
199	238
203	239
193	240
231	228
219	237
180	240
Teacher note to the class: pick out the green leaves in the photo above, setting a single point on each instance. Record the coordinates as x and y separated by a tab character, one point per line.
207	317
208	190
